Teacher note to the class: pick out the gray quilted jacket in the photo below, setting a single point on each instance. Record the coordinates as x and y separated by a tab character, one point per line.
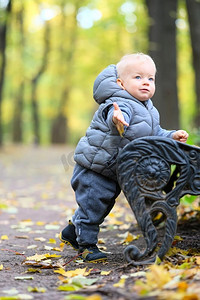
99	148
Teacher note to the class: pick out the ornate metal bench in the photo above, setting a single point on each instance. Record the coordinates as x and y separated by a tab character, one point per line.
154	173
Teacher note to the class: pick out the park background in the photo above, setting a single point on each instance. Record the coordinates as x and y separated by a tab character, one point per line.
51	52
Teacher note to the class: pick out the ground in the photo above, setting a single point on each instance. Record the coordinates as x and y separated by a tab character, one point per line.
36	201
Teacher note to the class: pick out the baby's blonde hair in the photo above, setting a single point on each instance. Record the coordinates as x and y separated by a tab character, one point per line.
125	60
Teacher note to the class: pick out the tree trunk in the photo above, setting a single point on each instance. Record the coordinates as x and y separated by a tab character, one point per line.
162	48
193	9
59	130
17	118
34	84
19	100
59	134
3	33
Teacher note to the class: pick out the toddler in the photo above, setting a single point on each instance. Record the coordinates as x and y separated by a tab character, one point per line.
125	112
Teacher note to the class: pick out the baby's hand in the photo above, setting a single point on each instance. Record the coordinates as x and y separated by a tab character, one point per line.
118	119
180	135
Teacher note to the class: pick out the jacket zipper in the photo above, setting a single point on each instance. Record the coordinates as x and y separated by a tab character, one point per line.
150	116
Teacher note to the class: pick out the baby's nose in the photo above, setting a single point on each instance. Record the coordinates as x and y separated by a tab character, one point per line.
146	81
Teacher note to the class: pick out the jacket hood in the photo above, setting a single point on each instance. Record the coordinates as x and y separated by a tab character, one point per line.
105	85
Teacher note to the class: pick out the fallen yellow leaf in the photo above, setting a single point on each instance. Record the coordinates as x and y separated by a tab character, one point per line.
172	251
39	257
191	297
40	223
157	276
72	273
182	286
36	289
120	283
94	297
62	245
41	239
4	237
178	238
128	237
52	241
105	272
197	260
101	241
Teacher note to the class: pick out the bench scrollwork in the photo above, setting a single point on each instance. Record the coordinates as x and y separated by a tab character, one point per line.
154	173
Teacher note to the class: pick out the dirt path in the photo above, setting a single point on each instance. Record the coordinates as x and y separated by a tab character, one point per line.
36	200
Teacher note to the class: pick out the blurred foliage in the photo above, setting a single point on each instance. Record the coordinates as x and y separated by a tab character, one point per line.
104	31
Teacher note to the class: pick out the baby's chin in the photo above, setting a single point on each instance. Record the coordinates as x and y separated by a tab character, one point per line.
142	99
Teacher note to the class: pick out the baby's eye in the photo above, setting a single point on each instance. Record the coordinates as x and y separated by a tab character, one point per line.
151	79
138	77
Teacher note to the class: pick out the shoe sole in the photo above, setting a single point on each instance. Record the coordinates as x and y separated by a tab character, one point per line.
67	242
100	260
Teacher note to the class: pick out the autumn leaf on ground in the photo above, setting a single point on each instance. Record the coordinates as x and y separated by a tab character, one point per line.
40	223
113	219
22	237
156	278
101	241
105	273
168	283
80	297
44	264
159	273
49	248
68	287
187	264
77	283
41	239
121	282
1	267
36	289
32	246
173	251
128	237
124	227
73	273
24	278
178	238
31	270
4	237
52	241
197	260
27	222
52	227
39	257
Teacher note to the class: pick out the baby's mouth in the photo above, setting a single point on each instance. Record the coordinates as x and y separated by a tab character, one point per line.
144	90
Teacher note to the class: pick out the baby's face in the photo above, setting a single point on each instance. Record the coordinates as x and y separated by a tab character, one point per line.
138	79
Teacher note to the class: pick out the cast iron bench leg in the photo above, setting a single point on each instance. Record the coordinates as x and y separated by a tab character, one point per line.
154	173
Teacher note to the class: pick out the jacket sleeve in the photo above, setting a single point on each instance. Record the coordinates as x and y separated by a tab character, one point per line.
164	132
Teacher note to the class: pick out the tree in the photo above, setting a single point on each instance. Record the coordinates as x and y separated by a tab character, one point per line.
162	48
4	22
193	9
35	81
19	100
59	125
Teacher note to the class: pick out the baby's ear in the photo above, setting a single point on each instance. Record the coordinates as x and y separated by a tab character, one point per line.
120	83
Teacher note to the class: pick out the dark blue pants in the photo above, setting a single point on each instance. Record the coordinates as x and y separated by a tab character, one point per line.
95	196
